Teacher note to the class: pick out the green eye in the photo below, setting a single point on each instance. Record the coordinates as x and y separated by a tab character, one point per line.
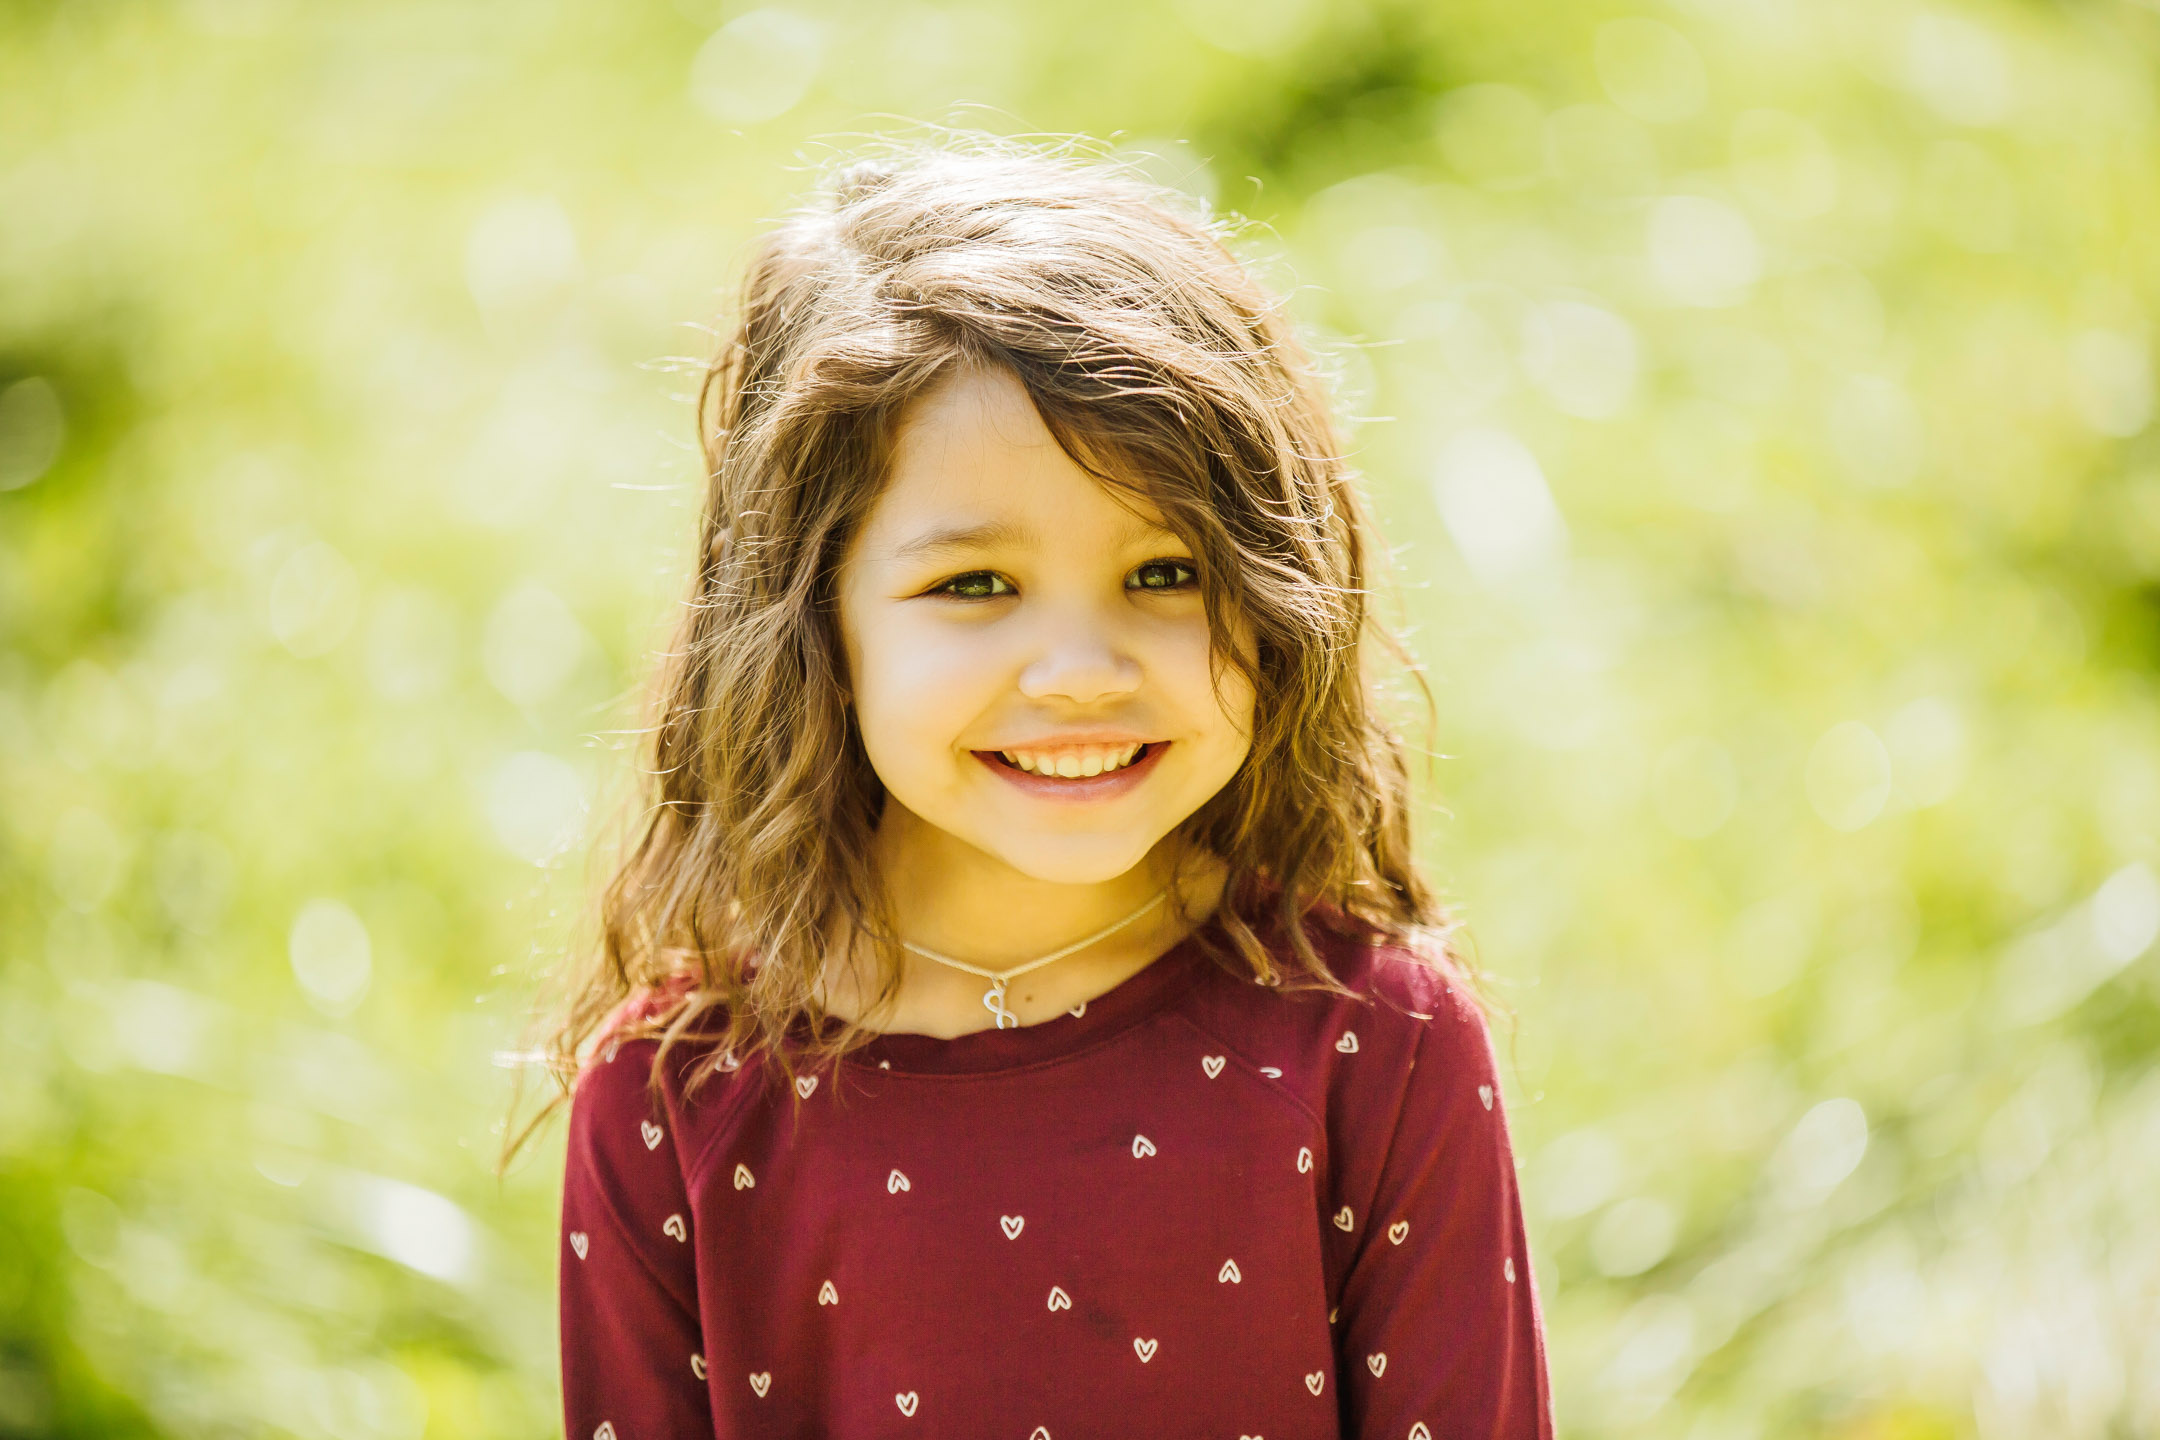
975	585
1162	575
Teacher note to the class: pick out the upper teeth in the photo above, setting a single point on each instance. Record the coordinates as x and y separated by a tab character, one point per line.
1073	761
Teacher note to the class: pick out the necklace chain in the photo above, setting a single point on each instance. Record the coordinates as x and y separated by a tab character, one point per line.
994	998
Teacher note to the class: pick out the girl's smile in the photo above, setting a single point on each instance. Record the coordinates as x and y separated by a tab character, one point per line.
1077	772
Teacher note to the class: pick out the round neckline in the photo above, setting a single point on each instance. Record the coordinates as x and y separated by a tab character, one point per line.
988	1050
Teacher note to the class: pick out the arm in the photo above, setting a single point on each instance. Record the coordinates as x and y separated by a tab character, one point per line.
1440	1335
632	1367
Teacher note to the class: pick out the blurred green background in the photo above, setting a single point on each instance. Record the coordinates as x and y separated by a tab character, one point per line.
1758	396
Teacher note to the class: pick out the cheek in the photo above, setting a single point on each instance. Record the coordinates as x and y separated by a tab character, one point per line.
1239	698
1235	700
1219	703
916	687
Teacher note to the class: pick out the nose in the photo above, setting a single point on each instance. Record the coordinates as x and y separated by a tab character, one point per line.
1081	661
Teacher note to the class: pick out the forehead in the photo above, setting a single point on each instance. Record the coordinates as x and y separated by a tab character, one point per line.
974	451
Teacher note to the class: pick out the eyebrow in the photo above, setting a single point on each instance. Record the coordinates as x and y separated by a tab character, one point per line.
953	539
994	535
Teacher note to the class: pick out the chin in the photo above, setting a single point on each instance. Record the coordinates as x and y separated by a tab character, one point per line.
1069	861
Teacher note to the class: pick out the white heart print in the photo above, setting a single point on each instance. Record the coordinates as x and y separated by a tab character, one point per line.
1145	1349
1507	1268
1304	1159
1316	1381
651	1132
1271	1072
1078	1010
1059	1300
605	1432
580	1242
1011	1225
675	1229
729	1062
1342	1218
1419	1432
1396	1231
1038	1433
1141	1145
1348	1043
1484	1095
906	1402
1229	1273
612	1047
827	1295
1377	1364
895	1183
804	1084
761	1382
1212	1064
697	1366
742	1177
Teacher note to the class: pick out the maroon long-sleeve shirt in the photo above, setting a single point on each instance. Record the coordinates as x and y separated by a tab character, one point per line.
1194	1206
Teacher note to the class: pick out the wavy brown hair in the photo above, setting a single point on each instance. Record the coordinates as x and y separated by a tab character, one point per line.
1163	368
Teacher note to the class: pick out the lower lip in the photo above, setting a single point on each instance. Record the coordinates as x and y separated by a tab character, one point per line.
1107	786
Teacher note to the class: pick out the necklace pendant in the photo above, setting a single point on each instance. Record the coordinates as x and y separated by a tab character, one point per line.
994	1002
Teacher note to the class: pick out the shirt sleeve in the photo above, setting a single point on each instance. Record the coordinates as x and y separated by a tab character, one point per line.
1440	1335
632	1362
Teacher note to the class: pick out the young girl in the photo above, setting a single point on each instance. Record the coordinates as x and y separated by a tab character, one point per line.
1020	1015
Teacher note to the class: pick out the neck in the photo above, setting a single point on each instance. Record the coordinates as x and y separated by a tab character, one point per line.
953	898
950	897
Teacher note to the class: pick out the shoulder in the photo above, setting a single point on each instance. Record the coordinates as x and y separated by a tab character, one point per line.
1400	1004
616	1070
1413	1007
1409	984
1403	1066
637	1119
613	1091
1410	976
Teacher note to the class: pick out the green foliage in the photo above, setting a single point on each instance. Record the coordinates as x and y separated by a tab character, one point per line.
1758	396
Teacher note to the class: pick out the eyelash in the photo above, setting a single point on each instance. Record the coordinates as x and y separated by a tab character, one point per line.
1190	578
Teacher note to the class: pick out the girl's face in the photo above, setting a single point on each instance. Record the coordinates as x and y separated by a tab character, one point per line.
1029	657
